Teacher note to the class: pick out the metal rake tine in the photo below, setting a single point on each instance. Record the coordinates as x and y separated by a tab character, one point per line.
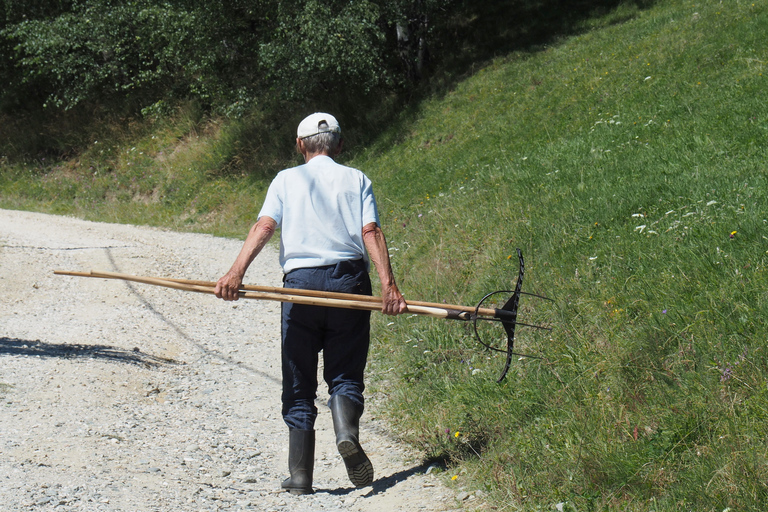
523	324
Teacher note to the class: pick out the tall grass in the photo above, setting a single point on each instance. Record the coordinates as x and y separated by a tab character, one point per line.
185	172
628	162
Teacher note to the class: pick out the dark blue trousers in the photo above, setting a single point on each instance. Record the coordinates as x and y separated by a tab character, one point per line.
343	335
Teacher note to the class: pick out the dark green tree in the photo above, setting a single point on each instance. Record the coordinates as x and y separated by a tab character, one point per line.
149	53
316	46
142	52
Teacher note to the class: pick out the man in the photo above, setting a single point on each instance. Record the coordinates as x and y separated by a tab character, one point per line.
329	231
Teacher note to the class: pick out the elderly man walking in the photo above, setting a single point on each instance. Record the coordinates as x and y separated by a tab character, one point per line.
329	233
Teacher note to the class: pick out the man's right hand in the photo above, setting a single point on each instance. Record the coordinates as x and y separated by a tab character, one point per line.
228	287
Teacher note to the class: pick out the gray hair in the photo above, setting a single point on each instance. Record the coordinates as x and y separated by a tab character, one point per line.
324	142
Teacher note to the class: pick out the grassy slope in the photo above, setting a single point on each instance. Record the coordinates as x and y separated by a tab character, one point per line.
628	164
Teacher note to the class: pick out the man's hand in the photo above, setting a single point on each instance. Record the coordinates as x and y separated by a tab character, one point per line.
392	301
228	287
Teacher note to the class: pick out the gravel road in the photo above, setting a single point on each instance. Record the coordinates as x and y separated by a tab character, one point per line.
127	397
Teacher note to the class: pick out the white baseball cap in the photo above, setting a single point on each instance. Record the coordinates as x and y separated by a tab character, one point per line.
318	122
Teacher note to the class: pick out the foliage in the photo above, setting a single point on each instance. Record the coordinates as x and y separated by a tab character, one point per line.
142	51
225	54
321	47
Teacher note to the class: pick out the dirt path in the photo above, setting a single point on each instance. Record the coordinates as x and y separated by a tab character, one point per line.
126	397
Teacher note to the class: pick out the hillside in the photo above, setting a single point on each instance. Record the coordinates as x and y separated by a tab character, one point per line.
628	162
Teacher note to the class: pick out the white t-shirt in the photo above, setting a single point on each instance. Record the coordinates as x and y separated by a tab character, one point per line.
321	208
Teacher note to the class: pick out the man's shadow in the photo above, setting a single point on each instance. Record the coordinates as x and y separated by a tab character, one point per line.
37	348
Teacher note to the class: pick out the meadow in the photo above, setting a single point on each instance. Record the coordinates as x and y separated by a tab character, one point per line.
628	162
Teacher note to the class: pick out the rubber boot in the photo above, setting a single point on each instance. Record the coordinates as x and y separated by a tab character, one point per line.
301	461
346	422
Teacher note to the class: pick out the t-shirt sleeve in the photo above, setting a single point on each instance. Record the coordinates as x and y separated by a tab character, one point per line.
273	203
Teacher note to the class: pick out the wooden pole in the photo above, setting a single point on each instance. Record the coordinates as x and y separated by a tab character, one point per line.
297	296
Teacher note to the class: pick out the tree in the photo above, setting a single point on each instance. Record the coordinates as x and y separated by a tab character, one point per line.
316	47
145	52
141	51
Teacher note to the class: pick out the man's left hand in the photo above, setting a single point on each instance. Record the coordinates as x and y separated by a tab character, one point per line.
392	301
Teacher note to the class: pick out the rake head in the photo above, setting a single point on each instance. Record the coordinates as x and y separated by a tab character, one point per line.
507	316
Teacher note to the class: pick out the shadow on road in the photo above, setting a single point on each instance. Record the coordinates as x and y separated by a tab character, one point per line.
37	348
382	484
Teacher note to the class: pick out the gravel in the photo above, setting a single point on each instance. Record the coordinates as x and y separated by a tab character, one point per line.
127	397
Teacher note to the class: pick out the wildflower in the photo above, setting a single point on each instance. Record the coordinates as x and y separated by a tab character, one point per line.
457	434
733	234
454	477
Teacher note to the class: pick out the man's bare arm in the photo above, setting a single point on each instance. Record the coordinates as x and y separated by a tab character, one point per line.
228	286
393	302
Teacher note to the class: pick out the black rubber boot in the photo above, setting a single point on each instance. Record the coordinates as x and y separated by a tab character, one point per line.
346	422
301	461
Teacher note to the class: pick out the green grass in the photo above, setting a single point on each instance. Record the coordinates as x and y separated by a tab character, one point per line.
187	172
628	162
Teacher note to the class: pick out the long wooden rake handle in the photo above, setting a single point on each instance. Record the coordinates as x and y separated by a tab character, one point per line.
298	296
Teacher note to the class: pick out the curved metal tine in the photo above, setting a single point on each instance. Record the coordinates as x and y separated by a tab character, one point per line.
480	338
535	295
491	347
489	319
538	296
504	350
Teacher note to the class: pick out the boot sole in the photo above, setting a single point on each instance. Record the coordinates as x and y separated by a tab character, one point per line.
359	467
300	492
287	485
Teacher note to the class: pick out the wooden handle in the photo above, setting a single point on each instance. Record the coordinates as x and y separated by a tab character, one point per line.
293	295
335	295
